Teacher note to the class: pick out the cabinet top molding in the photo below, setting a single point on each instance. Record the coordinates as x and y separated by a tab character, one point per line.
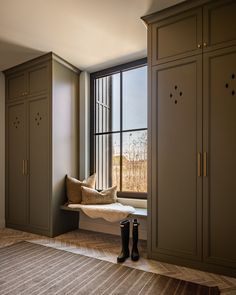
174	10
41	59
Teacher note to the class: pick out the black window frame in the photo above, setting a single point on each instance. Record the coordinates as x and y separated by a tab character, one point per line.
103	73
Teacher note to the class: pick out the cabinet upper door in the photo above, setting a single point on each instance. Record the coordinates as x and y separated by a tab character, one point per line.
220	144
177	37
16	85
33	81
176	114
38	79
16	189
219	24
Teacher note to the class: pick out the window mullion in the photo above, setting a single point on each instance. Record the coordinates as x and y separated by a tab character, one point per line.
121	127
110	129
123	131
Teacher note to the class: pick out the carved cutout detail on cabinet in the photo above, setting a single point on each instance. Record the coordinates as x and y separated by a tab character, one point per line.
16	122
176	94
38	118
228	84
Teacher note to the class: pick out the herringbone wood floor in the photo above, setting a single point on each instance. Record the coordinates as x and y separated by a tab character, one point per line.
107	247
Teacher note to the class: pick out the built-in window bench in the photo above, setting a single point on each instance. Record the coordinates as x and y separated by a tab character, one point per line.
102	224
139	212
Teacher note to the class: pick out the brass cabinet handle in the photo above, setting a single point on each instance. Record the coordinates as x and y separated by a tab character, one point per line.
205	44
199	168
23	167
199	46
26	167
205	164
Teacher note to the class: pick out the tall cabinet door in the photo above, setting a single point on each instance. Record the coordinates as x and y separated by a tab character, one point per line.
39	184
220	161
16	184
176	115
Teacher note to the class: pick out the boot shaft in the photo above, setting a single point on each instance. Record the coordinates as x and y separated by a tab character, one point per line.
135	230
135	252
125	229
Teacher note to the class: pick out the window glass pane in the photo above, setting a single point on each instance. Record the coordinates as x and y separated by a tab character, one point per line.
116	160
107	160
134	161
135	98
107	98
115	102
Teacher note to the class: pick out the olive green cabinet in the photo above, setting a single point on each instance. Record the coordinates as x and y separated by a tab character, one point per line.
192	142
35	108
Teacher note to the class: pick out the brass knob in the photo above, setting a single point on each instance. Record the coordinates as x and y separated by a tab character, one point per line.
199	46
205	44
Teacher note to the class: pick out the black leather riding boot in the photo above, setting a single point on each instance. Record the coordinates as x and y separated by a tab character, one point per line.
124	227
135	253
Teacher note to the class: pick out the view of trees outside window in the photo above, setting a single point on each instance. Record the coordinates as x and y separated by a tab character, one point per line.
134	162
121	130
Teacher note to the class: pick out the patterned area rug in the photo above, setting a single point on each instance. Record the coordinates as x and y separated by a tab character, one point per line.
27	268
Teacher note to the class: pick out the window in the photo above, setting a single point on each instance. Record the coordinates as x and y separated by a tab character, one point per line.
119	128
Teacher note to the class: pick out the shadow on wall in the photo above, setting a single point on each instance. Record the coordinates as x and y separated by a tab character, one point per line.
118	61
156	5
12	54
152	6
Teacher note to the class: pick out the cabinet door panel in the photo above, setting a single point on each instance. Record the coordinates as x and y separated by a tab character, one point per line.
176	212
177	36
220	143
16	86
220	24
38	79
39	163
16	153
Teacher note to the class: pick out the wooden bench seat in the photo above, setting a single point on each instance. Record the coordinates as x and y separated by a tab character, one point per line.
139	212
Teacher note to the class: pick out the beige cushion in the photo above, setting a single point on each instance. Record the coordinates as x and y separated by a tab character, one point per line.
73	188
91	196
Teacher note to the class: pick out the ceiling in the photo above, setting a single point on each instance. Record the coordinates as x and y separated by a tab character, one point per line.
90	34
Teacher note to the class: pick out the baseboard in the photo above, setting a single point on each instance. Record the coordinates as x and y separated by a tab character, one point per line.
2	223
197	264
100	225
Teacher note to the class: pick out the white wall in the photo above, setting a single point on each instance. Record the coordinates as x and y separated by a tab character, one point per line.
84	125
2	150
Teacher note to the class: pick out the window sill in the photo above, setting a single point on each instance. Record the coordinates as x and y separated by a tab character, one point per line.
137	203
